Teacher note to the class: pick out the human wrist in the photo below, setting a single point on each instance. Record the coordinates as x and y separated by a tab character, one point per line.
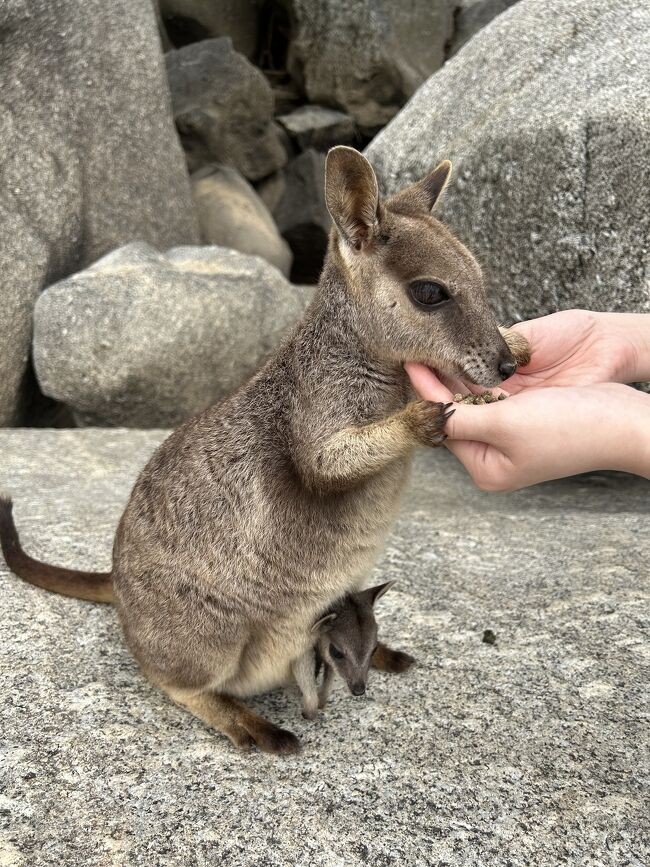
629	333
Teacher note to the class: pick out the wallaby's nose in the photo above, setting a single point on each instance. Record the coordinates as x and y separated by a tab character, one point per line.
507	368
358	689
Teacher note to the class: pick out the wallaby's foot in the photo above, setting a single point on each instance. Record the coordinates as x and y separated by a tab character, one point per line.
387	659
243	727
426	421
272	739
310	712
518	345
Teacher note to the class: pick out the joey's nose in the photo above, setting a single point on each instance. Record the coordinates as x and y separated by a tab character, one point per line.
507	368
358	689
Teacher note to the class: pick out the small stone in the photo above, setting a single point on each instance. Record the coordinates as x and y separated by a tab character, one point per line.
489	637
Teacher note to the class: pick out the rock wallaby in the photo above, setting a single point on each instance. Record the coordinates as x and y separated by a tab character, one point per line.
256	515
345	642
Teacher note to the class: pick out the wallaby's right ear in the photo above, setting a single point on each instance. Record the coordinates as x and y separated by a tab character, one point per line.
318	626
351	195
375	593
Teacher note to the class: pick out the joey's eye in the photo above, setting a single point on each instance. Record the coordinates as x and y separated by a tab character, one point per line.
427	294
335	652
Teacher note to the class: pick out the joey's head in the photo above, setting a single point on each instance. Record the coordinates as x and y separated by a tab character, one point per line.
418	292
347	636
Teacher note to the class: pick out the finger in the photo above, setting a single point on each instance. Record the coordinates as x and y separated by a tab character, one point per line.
427	384
475	423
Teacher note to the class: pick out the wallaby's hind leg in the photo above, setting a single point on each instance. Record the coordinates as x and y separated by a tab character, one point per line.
236	721
386	659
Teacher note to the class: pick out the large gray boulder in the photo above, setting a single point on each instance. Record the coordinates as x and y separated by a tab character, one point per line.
88	154
223	108
368	57
146	339
546	114
523	753
231	214
470	16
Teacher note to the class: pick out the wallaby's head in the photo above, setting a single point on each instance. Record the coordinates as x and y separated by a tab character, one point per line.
418	292
347	636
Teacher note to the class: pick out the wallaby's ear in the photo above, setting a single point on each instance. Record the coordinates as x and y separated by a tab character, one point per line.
328	618
351	195
434	184
424	194
375	593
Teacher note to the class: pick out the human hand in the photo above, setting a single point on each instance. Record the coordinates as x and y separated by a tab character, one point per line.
545	433
579	347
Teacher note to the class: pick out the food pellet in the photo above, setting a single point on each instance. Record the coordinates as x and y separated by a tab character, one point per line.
478	399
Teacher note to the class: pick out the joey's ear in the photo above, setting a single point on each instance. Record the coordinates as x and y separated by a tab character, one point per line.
351	195
375	593
424	194
324	621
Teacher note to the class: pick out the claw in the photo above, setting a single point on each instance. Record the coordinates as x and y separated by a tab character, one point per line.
446	406
448	415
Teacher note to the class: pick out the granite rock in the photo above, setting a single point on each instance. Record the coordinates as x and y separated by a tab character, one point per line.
89	155
546	115
223	108
231	214
314	126
529	751
146	339
188	21
470	16
366	58
302	215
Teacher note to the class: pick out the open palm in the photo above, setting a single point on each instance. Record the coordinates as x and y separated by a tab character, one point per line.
569	348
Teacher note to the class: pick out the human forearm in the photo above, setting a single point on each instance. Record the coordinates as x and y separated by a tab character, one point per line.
634	454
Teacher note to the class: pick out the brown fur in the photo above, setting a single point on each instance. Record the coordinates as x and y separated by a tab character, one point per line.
94	586
349	626
262	511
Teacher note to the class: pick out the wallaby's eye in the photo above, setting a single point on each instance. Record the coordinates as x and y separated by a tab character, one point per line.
335	652
427	294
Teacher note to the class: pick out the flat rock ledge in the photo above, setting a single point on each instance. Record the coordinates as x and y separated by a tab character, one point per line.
528	750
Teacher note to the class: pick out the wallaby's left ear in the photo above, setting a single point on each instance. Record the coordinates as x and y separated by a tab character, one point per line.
375	593
424	194
351	195
324	621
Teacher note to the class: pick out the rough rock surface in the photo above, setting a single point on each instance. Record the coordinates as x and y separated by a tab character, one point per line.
546	114
470	16
529	751
302	215
88	153
223	108
231	214
146	339
314	126
367	57
191	20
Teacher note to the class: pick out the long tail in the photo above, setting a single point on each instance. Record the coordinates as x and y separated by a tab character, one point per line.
95	586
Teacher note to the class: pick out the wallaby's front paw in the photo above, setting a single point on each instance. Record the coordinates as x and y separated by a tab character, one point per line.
426	421
518	345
